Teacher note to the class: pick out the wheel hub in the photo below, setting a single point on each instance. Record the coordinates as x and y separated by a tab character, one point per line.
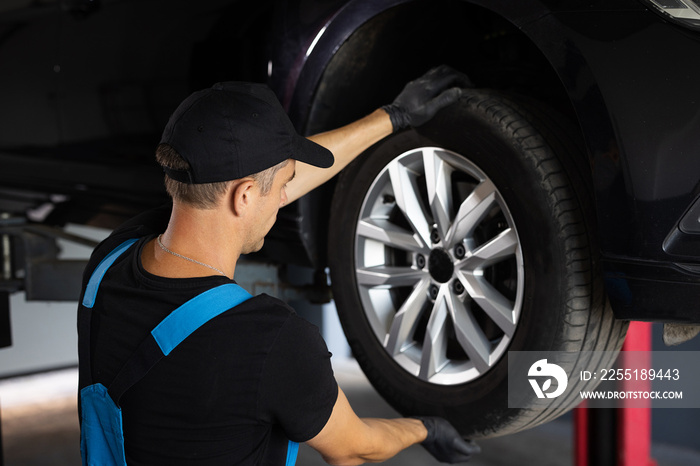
440	265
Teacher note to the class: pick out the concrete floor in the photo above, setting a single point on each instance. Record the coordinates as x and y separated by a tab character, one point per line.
39	427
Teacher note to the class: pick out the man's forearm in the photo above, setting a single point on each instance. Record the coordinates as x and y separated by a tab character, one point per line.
348	440
345	143
390	436
379	440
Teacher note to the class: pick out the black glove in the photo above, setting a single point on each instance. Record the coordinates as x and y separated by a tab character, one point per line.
421	99
445	443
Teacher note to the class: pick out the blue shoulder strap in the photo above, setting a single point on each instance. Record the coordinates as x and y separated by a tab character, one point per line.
196	312
172	330
100	270
85	311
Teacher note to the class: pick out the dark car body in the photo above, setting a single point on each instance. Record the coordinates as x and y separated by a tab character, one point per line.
87	86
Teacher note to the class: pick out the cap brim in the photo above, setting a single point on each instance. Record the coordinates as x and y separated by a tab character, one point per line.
313	153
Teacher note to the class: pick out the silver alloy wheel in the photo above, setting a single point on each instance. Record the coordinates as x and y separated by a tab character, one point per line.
439	266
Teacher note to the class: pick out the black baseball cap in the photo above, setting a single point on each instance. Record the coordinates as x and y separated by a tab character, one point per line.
233	130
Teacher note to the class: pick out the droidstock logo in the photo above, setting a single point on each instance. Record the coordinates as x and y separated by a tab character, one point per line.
541	369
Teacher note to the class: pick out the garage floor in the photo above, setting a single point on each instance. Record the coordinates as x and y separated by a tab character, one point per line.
39	427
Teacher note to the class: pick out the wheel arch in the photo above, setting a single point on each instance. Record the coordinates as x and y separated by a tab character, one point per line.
367	60
374	56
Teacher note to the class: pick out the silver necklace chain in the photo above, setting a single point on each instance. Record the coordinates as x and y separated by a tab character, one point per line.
162	246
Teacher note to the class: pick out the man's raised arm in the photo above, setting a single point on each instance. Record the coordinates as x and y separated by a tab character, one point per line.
419	101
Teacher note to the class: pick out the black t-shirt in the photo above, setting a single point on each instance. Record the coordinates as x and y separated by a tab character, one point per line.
234	392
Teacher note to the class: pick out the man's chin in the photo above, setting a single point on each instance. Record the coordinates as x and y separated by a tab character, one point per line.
255	248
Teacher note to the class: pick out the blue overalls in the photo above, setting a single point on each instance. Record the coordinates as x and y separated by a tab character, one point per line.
101	432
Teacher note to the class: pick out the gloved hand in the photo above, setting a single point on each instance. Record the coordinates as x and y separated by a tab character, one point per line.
421	99
445	443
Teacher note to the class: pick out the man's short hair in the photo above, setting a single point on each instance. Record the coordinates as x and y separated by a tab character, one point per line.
205	195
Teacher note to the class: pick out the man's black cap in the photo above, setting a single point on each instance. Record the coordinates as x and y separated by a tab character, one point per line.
234	130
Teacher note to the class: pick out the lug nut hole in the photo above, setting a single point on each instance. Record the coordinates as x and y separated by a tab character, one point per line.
433	291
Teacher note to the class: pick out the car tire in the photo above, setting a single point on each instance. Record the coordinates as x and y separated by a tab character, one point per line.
452	244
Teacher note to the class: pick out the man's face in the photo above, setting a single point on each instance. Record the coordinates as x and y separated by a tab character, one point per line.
269	204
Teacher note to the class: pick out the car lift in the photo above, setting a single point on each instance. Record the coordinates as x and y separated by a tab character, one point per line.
617	436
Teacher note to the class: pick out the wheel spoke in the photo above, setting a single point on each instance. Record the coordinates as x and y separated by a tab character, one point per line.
469	334
391	235
491	301
471	212
405	189
405	321
389	276
504	245
438	181
434	355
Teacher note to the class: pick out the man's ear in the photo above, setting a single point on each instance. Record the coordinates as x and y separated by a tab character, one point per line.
242	196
